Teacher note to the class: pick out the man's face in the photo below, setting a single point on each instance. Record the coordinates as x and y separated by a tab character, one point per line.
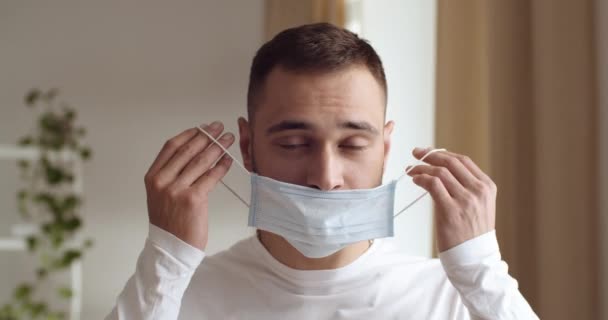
321	130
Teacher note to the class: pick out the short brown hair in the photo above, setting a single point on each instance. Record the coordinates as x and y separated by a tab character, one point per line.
312	47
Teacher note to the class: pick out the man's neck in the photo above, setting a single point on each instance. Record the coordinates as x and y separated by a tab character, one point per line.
285	253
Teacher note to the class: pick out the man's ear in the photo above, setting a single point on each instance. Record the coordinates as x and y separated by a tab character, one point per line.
245	143
388	130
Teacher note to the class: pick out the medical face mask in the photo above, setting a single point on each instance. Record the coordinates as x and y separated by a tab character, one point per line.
319	223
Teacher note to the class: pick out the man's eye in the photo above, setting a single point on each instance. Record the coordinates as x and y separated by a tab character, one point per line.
293	146
352	147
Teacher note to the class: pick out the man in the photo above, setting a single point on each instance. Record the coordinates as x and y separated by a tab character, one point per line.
316	118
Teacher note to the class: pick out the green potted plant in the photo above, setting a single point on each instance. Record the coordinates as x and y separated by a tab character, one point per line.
50	200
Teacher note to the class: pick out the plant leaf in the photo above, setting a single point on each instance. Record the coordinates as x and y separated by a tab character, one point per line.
22	292
72	224
54	175
51	94
23	164
69	114
56	316
70	256
85	153
37	309
32	243
70	202
65	292
88	243
25	141
41	273
31	97
22	194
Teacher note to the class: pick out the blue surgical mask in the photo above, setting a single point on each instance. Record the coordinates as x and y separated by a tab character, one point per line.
319	223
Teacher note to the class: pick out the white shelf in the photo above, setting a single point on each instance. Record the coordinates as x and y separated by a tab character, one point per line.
12	244
11	152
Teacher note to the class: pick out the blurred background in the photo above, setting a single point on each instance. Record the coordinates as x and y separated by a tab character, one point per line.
520	86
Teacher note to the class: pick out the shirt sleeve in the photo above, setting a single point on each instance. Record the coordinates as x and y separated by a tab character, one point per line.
487	290
163	272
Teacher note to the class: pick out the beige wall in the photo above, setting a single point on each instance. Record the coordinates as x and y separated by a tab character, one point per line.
138	73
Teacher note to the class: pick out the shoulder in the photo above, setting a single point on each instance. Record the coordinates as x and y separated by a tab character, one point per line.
239	256
220	276
417	278
389	258
223	272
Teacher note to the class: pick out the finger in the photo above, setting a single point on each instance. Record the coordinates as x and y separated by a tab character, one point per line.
203	161
187	151
169	149
457	168
208	181
472	166
454	188
435	187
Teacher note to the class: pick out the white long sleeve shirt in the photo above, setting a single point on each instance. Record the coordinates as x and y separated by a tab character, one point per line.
468	281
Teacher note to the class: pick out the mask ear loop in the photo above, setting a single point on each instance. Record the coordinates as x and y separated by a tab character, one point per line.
233	158
408	171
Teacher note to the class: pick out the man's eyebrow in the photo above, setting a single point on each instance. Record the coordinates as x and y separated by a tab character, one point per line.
359	125
286	125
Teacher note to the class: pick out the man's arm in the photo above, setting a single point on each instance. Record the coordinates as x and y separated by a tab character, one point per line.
178	183
162	274
476	270
465	203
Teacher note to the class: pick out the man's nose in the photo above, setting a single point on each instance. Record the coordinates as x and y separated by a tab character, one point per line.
325	170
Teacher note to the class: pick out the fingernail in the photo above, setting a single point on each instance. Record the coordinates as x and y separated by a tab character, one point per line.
227	137
215	125
417	149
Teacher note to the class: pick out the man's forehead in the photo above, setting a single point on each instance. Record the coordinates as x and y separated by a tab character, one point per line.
350	95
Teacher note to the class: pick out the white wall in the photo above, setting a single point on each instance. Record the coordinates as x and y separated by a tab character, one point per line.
602	62
139	73
403	33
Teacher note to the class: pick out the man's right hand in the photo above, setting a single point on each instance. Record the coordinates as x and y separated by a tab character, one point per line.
180	179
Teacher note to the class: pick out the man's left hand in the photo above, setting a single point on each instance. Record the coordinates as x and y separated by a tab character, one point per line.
465	197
